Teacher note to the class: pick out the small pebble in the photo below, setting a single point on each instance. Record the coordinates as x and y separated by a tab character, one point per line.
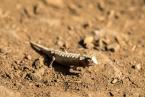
60	43
101	6
86	25
113	47
100	44
30	76
111	94
38	73
136	66
115	80
28	57
88	42
88	39
38	63
57	3
4	50
97	34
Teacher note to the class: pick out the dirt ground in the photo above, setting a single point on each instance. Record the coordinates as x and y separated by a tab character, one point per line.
112	30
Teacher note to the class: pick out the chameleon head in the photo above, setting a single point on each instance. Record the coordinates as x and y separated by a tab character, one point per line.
88	60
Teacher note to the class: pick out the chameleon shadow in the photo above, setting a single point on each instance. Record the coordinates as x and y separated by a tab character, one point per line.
65	70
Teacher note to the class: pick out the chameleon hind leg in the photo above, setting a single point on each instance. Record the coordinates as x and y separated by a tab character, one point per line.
75	70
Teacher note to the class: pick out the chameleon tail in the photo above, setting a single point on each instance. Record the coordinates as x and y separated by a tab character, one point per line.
38	47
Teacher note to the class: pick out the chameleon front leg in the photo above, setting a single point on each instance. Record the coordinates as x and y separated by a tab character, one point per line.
52	61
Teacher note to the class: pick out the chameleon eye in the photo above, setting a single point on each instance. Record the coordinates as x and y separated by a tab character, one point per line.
87	60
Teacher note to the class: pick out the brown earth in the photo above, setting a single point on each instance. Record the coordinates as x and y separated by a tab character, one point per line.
113	30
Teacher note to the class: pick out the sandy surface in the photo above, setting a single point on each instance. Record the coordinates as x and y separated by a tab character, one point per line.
112	30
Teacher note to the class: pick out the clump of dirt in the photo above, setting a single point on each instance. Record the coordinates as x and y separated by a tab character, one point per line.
104	41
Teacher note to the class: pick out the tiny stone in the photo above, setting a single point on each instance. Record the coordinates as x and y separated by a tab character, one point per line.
4	50
137	66
101	6
28	57
97	34
111	94
38	63
100	44
88	42
115	80
57	3
60	43
86	25
88	39
113	47
30	76
39	72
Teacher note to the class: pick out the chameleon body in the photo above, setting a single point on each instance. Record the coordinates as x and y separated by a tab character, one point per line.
65	58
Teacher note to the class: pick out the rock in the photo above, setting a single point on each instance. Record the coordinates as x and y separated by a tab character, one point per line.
8	75
5	92
88	39
28	57
3	13
38	63
86	25
36	74
59	41
74	10
113	47
39	73
87	42
30	76
56	3
111	94
33	76
136	66
4	50
100	44
97	34
101	6
115	80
